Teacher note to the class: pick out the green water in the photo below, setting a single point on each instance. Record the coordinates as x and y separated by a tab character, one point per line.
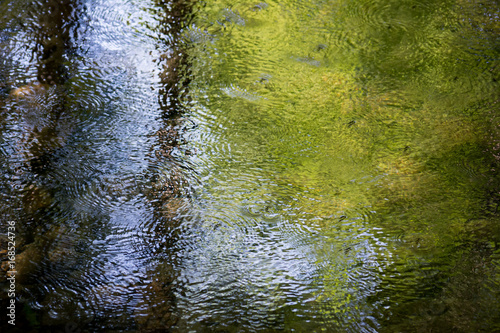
282	166
370	127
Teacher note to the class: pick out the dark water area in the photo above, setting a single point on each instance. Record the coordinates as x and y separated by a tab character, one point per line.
246	166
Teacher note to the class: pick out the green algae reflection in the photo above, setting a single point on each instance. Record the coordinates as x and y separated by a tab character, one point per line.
371	124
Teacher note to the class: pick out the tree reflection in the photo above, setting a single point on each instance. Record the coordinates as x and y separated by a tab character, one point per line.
38	123
170	191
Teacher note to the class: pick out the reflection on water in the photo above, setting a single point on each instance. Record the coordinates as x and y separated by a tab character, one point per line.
237	166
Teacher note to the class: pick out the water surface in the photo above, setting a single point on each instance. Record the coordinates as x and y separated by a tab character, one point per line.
236	166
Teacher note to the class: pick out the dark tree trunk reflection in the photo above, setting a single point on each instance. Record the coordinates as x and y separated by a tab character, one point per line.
168	195
38	103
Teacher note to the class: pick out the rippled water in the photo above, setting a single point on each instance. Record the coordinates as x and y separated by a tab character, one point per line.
238	166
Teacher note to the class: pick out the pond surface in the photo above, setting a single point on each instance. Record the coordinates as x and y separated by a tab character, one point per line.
245	166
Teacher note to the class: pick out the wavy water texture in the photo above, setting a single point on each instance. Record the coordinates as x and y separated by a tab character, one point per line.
246	166
76	156
363	138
